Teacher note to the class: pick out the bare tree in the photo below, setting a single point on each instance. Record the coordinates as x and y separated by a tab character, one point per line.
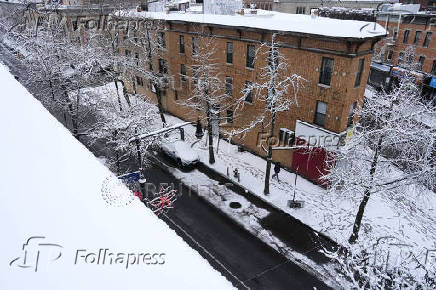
391	152
208	95
277	89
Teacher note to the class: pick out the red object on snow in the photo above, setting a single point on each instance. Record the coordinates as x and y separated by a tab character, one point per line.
311	162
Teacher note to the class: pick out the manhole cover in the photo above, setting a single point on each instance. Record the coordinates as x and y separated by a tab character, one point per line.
235	204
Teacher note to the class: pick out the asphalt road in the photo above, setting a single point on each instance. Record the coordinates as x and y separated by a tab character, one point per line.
251	261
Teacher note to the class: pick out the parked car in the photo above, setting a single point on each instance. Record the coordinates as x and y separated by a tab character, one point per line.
181	152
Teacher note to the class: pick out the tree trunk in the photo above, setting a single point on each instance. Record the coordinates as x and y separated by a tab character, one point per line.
358	221
160	106
269	155
210	135
118	95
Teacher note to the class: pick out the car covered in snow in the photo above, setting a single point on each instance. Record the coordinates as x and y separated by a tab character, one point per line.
181	152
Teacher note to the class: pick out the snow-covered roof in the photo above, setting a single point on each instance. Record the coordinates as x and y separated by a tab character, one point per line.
52	188
381	67
275	21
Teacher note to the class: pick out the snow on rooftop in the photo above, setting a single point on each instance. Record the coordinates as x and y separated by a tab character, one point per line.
276	21
51	188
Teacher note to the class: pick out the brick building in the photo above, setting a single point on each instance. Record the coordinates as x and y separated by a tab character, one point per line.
306	6
333	56
409	29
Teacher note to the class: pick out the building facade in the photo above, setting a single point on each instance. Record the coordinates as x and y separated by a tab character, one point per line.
306	6
409	30
335	70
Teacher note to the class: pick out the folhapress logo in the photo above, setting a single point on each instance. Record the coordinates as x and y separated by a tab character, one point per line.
36	251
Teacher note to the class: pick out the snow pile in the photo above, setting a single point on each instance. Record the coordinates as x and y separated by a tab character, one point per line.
53	189
276	21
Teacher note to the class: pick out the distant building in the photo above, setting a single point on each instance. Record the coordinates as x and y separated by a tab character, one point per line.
306	6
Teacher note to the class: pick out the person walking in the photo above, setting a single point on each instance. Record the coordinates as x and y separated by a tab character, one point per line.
276	171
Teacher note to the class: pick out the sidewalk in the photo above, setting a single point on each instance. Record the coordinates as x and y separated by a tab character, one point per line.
331	216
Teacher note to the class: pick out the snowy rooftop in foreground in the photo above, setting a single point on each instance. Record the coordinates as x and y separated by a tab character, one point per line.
275	21
51	186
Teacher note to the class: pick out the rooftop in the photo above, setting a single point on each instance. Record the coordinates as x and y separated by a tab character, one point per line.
274	21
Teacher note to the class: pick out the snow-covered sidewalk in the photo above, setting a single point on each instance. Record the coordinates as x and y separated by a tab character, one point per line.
327	214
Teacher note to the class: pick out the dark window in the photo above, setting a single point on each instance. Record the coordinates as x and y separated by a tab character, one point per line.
163	69
301	10
321	110
229	52
250	56
417	37
249	93
229	86
194	45
139	81
433	67
182	44
229	117
427	39
137	58
406	36
325	76
400	57
286	137
127	52
183	72
176	95
351	114
195	75
359	72
390	54
162	41
395	34
421	61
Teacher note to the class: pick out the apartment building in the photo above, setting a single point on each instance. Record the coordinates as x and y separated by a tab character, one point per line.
409	29
306	6
333	56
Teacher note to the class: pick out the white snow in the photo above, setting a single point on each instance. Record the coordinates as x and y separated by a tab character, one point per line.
327	214
275	21
51	186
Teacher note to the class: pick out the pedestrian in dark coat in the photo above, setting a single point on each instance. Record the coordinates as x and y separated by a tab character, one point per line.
276	171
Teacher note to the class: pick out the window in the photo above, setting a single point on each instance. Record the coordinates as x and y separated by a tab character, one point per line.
395	34
359	72
182	72
421	61
321	109
229	52
433	67
400	57
162	41
250	56
137	58
417	37
406	36
301	10
325	76
390	54
351	114
127	52
182	44
194	46
229	117
139	81
163	69
249	92
195	74
176	95
427	39
286	137
229	86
